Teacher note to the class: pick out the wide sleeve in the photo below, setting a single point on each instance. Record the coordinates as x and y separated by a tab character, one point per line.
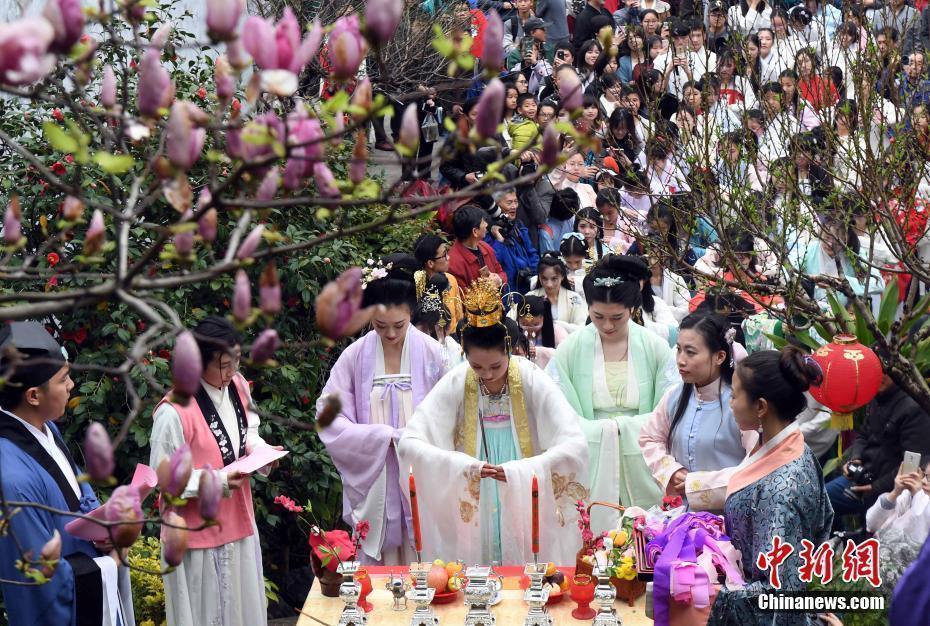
884	509
358	451
707	490
57	601
653	439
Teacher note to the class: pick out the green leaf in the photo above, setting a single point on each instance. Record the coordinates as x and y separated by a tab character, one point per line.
338	102
888	307
60	140
821	330
831	465
777	342
114	163
839	311
863	334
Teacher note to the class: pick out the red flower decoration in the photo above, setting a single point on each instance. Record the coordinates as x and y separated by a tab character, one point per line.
69	158
57	114
52	258
58	168
202	93
332	547
669	503
288	504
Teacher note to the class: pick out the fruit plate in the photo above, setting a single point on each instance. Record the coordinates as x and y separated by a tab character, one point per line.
446	597
556	594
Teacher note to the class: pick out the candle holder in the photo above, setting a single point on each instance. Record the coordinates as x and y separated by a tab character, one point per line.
349	592
422	596
536	596
479	594
604	596
398	588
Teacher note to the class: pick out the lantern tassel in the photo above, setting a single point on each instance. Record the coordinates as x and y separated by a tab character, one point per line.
841	421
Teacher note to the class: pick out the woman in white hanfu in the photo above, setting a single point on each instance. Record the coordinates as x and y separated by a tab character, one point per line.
476	441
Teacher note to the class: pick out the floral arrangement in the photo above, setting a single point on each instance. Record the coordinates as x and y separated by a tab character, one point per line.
589	541
332	547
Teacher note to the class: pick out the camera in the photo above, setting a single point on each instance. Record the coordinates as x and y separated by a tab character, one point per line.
858	475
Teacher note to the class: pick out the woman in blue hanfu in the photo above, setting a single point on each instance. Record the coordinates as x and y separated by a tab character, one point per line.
777	494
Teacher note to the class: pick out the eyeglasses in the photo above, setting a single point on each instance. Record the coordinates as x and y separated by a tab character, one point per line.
230	365
444	255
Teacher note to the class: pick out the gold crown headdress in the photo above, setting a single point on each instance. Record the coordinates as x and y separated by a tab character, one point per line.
482	304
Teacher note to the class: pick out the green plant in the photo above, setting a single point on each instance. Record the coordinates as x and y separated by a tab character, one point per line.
148	590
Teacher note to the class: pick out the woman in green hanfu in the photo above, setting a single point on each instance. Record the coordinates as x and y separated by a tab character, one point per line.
613	374
477	440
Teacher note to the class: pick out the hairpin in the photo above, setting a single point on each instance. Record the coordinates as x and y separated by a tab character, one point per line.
573	234
374	271
808	359
730	335
607	281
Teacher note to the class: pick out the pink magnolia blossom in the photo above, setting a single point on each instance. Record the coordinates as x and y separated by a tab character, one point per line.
264	346
67	20
242	297
206	225
279	47
125	509
339	310
269	290
186	364
96	234
223	18
174	472
382	18
304	135
184	136
550	147
409	136
571	91
224	79
174	539
24	51
347	47
108	87
254	142
235	51
325	181
490	109
155	90
358	166
269	185
12	224
98	452
492	55
250	244
209	493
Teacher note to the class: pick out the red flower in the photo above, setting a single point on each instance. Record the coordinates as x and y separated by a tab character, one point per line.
669	503
236	105
58	168
57	114
332	547
164	354
140	326
133	64
52	258
288	504
292	302
52	282
69	158
202	93
361	529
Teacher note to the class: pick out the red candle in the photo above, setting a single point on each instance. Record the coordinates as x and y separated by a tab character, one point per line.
535	515
415	511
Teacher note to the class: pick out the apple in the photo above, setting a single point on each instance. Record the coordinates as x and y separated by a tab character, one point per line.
437	578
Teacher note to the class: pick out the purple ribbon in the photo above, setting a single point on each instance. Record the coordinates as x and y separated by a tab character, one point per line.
391	387
683	553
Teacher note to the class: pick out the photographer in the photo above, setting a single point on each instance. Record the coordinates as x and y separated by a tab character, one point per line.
893	424
511	242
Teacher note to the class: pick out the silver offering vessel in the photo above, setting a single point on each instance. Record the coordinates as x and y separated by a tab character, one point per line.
422	596
536	596
398	588
349	592
480	592
605	593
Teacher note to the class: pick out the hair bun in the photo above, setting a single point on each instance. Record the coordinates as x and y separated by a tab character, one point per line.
626	266
403	266
799	368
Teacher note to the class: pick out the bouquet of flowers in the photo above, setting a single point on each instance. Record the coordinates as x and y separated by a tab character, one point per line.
330	547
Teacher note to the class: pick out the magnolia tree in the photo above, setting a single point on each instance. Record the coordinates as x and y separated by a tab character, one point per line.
150	179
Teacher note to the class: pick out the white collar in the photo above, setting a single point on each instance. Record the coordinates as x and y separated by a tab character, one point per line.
39	434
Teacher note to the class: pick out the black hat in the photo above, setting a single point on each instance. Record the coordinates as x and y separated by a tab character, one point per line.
680	29
31	352
718	6
533	23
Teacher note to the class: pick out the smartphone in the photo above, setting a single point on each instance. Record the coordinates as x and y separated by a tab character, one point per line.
526	46
911	462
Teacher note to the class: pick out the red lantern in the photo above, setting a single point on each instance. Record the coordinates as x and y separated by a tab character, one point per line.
852	374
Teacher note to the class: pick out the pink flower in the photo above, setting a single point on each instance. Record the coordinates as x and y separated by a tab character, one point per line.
269	186
269	290
325	182
347	47
288	504
264	346
550	147
493	54
409	136
184	138
250	244
339	310
382	18
571	91
174	472
24	51
254	142
12	224
223	78
67	20
96	234
303	136
108	88
223	18
358	166
279	47
242	297
209	493
72	209
155	90
174	539
206	225
125	508
490	109
361	529
186	365
98	452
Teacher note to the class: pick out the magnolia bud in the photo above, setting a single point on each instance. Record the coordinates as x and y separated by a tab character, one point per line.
96	234
223	77
269	290
250	244
410	130
51	553
12	226
160	38
174	472
382	18
490	109
186	366
108	88
325	181
242	297
210	493
361	97
125	508
269	187
328	408
571	91
98	452
550	147
72	209
493	54
358	166
264	346
174	539
223	18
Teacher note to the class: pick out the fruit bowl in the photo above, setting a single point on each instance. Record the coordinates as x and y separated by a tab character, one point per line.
446	597
556	593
